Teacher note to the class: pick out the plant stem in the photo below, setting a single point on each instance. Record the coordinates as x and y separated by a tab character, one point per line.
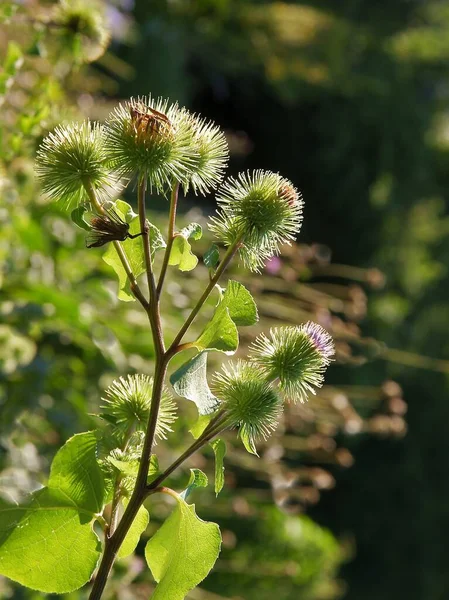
170	236
153	313
230	252
119	249
214	428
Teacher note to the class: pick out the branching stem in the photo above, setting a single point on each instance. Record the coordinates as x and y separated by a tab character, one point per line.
170	236
230	252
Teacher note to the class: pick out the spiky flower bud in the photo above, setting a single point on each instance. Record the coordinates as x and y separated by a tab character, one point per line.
71	157
151	138
80	29
211	158
296	356
127	404
249	400
262	210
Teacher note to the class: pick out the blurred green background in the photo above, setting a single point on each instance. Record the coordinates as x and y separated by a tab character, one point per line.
350	100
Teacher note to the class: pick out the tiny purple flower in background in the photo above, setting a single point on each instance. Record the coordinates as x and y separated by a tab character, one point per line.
273	265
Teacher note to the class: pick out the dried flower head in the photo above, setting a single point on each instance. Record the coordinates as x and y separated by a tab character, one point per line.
128	402
212	155
71	157
108	227
151	138
296	356
263	210
249	400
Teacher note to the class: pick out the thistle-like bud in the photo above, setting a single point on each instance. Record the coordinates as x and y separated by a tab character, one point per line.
211	158
262	210
296	356
80	29
151	138
249	400
71	157
127	404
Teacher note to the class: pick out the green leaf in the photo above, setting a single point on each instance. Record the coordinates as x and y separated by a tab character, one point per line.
219	448
182	552
138	526
77	216
48	544
197	479
181	254
190	381
236	308
193	231
248	442
181	251
212	256
133	249
76	472
200	425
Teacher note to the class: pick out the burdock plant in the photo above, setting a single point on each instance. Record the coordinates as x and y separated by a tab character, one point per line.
106	477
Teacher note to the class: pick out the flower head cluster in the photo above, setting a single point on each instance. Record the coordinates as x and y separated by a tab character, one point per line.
127	404
296	356
151	138
80	29
249	400
211	155
70	158
261	210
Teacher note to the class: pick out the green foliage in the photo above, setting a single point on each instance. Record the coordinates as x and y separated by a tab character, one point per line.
181	253
138	526
219	448
237	307
182	552
190	381
48	543
197	479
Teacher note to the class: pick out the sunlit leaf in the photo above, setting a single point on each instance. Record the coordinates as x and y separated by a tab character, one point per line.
190	381
48	544
197	479
236	308
138	526
219	448
182	552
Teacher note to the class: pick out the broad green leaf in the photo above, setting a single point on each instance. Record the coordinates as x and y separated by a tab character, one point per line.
190	381
219	448
197	479
77	217
133	249
76	473
212	256
138	526
236	308
182	552
181	254
48	544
